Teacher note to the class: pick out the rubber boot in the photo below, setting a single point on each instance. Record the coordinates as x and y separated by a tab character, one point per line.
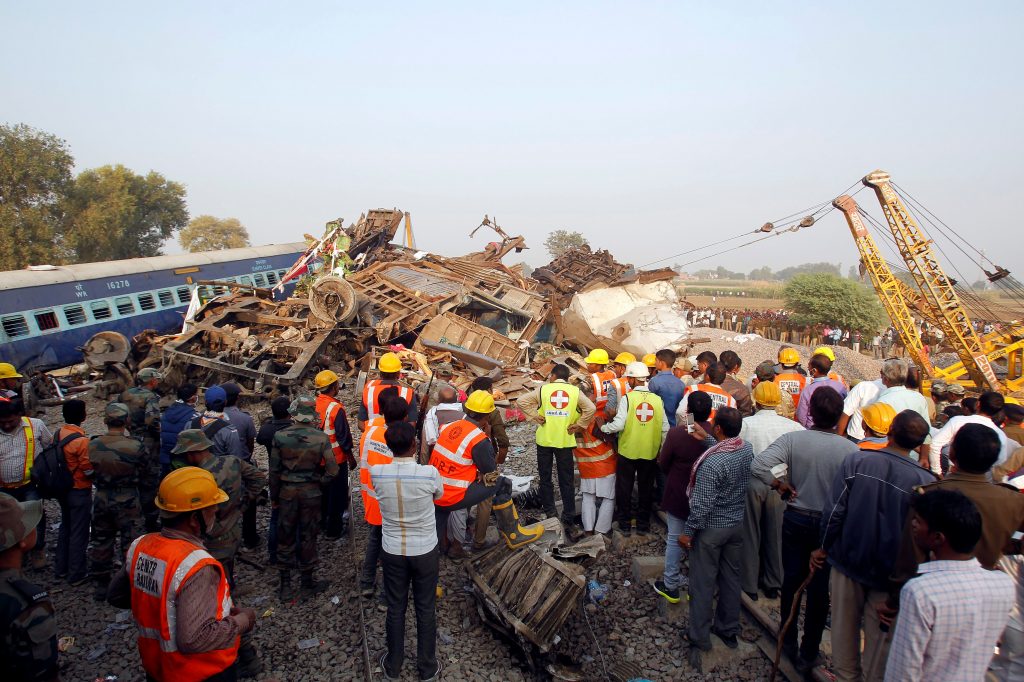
508	523
102	581
311	587
286	592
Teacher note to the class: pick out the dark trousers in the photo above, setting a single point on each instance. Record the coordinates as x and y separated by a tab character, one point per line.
643	472
73	538
421	573
715	562
335	502
801	535
368	578
561	458
272	536
24	494
250	536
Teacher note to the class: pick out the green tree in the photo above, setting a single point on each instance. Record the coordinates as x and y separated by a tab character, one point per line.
114	213
806	268
826	298
762	273
207	233
560	241
35	171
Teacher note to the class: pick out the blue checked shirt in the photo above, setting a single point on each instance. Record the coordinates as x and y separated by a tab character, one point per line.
719	496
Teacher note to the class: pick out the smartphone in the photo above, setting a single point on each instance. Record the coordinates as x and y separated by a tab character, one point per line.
689	422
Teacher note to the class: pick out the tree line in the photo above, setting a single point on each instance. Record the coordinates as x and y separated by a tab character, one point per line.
48	215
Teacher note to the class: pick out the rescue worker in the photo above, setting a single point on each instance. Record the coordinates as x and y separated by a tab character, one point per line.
390	367
217	426
640	420
789	375
21	439
499	441
443	374
600	376
118	462
877	420
9	381
651	362
301	462
144	418
940	396
28	629
620	362
561	411
714	377
595	456
334	423
189	628
831	355
373	450
619	386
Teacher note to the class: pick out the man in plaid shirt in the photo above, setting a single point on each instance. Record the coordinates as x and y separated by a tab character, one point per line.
714	533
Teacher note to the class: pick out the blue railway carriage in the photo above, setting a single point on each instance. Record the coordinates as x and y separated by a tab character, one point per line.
48	312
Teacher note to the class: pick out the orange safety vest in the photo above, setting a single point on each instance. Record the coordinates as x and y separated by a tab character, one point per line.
836	376
600	381
371	396
719	397
453	458
594	457
622	387
792	383
873	445
327	407
158	568
30	455
373	449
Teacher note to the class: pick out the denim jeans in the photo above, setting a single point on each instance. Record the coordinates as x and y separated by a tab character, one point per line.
673	552
420	572
368	577
73	538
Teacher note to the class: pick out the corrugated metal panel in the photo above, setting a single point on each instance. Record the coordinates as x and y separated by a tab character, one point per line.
422	282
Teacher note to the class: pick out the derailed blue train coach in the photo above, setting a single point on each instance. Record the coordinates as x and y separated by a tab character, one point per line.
48	312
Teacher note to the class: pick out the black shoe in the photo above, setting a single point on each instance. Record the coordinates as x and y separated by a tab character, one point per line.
806	665
670	595
771	592
752	595
384	668
436	676
694	658
729	640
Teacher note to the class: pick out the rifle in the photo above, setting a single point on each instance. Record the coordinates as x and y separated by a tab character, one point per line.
421	413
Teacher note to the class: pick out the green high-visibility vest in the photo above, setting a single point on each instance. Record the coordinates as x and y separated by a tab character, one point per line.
558	401
641	437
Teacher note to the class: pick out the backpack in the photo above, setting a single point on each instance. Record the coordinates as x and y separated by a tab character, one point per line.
211	429
50	470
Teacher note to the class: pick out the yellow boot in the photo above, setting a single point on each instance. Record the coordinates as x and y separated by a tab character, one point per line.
508	523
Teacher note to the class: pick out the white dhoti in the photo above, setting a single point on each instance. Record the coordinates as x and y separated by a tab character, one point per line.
598	503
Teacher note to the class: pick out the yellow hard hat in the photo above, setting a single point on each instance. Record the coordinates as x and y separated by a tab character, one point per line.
824	350
789	356
624	358
7	371
767	393
650	360
480	402
389	363
187	489
598	356
325	378
878	417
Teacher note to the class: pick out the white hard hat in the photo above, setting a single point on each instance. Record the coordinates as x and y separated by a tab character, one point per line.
637	370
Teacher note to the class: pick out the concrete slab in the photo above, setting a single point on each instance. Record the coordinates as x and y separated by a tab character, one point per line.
673	613
647	568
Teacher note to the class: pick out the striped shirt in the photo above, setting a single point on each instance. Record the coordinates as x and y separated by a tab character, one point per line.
12	450
406	492
940	634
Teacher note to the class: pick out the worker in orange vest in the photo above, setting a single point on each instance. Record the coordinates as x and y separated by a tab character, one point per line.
595	456
464	457
189	629
714	375
373	450
789	375
334	423
619	386
390	368
878	419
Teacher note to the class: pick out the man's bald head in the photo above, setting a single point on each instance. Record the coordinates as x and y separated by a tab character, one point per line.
447	394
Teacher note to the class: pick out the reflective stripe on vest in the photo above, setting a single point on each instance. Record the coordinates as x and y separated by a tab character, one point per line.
452	456
558	401
594	457
719	397
30	455
327	408
622	387
641	436
158	567
600	381
792	383
371	396
836	376
373	450
871	444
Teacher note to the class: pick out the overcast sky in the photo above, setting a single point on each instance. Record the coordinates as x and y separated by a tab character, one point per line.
652	128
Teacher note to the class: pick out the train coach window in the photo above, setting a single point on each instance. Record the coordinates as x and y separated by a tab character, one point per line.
125	305
272	278
47	320
74	314
184	295
15	326
260	280
100	310
245	279
146	302
166	298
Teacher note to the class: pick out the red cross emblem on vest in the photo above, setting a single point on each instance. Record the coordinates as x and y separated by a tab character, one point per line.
645	412
559	400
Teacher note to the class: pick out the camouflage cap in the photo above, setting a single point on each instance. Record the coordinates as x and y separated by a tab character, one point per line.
303	409
956	389
149	373
17	520
444	369
116	411
191	440
939	387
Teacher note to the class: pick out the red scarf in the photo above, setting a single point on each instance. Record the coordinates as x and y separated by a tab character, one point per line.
727	445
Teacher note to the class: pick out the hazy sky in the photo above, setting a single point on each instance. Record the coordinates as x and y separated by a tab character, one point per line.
650	127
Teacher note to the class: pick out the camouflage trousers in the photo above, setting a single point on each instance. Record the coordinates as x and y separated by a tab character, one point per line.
149	482
115	511
298	519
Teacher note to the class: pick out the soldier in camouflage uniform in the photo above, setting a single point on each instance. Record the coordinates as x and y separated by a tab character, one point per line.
236	477
144	410
118	462
301	461
28	629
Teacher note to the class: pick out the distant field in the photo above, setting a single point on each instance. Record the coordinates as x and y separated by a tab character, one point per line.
736	302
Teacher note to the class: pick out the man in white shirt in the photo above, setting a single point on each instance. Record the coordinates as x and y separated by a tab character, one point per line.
851	424
406	492
990	404
447	410
899	397
20	435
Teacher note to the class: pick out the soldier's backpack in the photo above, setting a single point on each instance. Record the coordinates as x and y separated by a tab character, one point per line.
50	470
